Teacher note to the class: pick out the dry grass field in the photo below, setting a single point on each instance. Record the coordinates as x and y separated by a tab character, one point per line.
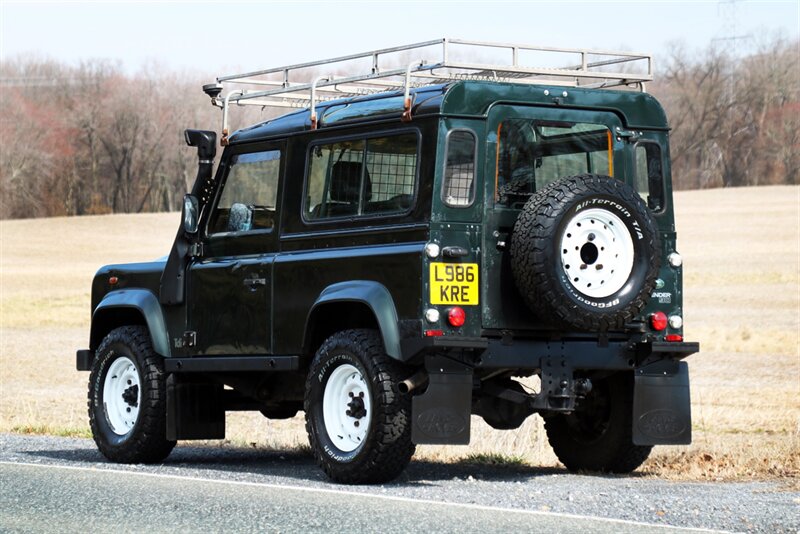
741	250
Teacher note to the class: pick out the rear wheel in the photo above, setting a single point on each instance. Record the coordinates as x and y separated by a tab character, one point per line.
358	423
597	436
127	398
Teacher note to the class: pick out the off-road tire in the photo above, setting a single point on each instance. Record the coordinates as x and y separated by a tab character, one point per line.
537	245
387	448
597	436
146	442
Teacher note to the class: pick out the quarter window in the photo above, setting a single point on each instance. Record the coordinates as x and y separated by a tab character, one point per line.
249	195
361	177
534	153
459	171
649	174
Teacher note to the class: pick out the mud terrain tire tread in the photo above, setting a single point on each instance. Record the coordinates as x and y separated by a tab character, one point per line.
388	448
535	262
147	441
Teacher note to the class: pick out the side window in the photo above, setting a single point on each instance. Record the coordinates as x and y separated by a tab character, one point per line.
459	172
362	177
533	154
249	194
649	174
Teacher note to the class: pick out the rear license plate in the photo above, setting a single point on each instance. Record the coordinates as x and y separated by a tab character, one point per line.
454	283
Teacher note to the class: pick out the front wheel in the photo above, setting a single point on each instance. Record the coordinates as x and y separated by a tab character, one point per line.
597	436
358	423
127	398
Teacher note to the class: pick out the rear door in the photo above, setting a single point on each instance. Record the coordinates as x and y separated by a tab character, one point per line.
530	147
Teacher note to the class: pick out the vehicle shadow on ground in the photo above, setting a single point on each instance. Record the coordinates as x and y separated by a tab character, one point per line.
300	465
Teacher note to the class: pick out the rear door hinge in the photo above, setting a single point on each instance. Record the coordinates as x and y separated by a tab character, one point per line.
628	135
196	250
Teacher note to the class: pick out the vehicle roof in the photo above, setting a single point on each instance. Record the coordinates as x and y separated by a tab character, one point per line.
464	98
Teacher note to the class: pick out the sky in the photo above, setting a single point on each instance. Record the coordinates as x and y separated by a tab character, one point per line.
227	37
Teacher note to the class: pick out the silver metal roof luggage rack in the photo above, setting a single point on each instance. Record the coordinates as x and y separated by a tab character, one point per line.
390	69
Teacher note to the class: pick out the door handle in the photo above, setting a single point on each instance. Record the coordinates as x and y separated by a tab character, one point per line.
253	282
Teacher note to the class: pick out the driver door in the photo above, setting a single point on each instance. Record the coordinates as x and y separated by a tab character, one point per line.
230	286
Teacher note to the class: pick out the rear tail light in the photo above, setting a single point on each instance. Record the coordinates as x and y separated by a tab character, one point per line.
434	333
673	337
456	316
658	321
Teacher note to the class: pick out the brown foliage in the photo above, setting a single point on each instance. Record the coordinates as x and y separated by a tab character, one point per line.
91	140
735	122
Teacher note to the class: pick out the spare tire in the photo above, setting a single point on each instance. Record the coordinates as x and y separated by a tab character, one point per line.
585	253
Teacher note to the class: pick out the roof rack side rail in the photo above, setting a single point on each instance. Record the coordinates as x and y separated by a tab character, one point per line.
389	69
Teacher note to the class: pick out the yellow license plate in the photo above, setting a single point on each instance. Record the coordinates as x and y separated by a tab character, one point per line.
454	283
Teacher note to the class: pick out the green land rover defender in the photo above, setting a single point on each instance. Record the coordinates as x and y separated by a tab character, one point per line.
414	245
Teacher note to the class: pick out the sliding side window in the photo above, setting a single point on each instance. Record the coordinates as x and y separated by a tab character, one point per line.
362	177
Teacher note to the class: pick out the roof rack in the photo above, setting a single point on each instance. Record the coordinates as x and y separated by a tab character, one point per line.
391	69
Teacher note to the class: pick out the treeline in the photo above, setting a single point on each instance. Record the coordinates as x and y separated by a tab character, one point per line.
90	139
734	122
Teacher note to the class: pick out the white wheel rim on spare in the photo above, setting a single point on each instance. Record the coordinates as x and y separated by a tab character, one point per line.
122	394
597	253
346	408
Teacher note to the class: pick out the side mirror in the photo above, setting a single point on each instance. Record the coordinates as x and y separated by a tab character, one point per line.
190	214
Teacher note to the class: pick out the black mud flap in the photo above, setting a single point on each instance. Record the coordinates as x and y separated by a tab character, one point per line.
441	415
195	409
661	411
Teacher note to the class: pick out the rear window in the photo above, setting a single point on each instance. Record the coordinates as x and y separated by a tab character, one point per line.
459	173
361	177
650	174
532	154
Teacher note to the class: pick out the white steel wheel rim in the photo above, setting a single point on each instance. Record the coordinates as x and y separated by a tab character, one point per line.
597	253
346	408
122	395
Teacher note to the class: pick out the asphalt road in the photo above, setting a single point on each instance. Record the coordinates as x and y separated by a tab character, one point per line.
52	484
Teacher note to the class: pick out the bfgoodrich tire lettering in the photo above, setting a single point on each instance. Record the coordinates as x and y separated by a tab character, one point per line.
585	253
370	441
139	437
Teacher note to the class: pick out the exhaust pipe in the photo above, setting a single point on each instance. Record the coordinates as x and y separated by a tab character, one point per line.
410	384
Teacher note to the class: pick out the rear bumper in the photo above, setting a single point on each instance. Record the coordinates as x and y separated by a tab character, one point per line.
579	353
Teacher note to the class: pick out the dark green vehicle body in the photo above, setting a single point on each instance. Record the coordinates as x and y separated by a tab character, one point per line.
249	309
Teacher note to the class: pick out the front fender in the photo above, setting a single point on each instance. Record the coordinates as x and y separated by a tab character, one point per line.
375	296
140	300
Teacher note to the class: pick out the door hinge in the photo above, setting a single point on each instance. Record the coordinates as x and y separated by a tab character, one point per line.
628	135
189	338
196	250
